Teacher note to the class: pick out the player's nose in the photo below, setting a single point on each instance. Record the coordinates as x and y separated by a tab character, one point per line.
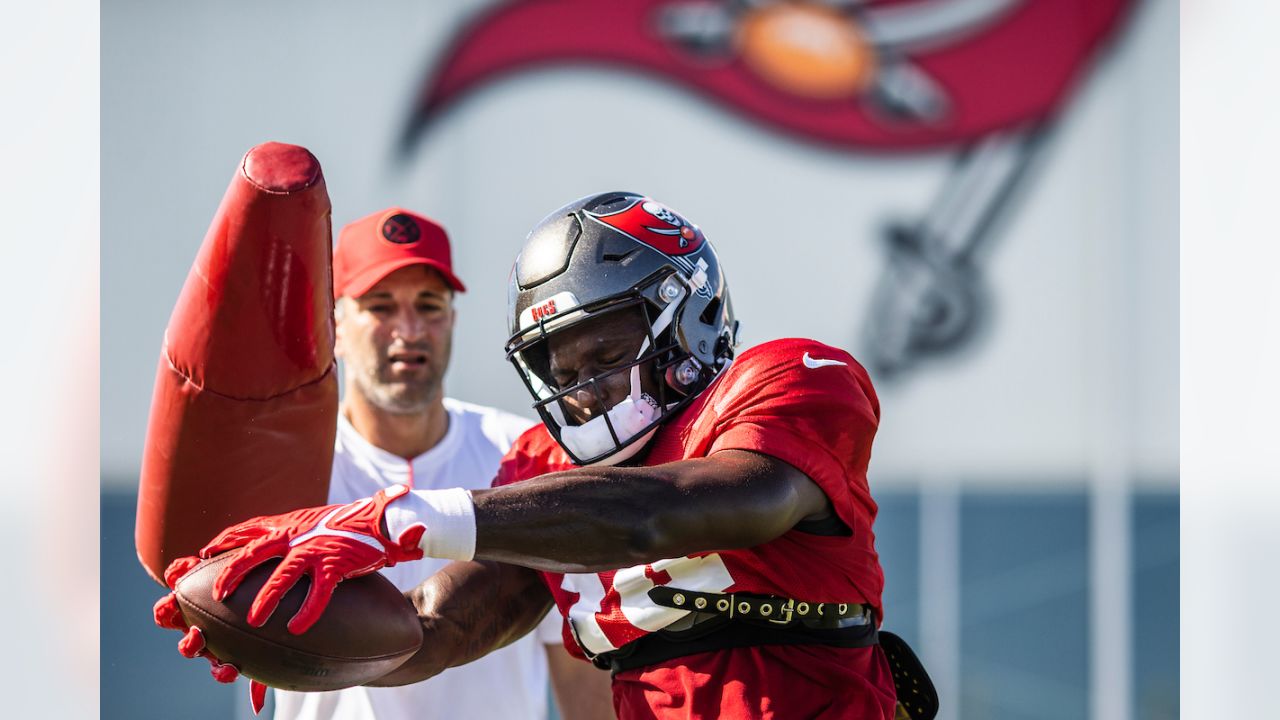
583	402
408	325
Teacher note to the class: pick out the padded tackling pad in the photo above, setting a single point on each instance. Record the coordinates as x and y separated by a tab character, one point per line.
244	411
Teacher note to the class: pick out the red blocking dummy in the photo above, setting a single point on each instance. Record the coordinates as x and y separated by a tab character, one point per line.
246	396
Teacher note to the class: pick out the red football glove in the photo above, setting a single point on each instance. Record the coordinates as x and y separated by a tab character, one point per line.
331	543
169	615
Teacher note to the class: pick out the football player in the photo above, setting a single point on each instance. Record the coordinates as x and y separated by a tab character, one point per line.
699	515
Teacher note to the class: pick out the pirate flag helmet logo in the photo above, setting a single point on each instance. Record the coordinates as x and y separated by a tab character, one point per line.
654	224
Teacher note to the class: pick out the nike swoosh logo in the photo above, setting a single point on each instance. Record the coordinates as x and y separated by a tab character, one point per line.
323	528
813	364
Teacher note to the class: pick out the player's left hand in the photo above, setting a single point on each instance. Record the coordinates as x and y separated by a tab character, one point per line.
168	615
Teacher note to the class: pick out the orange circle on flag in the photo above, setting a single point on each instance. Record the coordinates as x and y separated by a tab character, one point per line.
807	50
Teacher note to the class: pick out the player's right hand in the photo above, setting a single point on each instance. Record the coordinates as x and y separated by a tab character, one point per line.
330	543
168	615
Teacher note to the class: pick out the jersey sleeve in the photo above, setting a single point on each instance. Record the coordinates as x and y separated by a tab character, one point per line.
532	454
809	405
509	468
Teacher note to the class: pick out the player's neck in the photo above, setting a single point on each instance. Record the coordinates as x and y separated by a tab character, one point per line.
405	435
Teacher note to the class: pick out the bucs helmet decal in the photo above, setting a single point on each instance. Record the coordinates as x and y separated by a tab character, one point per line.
653	224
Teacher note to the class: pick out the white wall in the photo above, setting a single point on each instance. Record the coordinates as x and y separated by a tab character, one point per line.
1080	358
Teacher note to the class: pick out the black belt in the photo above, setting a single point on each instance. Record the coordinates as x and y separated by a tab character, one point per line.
776	610
723	633
721	621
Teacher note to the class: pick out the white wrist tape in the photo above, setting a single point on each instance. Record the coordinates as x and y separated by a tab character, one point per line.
448	515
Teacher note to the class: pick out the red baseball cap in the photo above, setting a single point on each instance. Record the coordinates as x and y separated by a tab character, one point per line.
377	245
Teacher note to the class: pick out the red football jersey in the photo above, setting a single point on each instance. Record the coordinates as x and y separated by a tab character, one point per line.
812	406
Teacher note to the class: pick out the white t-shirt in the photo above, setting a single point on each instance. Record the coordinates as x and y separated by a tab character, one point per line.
508	683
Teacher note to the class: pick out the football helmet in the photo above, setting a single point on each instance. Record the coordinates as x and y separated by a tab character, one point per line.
610	253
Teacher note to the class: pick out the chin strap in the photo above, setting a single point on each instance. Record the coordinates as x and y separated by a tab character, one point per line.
695	283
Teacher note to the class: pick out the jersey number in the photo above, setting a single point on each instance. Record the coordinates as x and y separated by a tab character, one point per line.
626	602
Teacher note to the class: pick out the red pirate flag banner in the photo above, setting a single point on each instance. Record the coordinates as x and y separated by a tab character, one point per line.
893	74
985	77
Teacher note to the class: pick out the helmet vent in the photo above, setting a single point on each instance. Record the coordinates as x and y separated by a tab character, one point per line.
619	257
608	203
711	312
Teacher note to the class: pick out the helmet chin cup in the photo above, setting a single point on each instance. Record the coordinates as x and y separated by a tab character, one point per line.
611	434
626	453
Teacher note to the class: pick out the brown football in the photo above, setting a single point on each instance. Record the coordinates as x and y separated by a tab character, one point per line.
367	630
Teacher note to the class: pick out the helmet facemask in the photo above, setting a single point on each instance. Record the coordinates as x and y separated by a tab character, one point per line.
614	434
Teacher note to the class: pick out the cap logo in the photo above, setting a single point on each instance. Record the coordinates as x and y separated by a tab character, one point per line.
401	229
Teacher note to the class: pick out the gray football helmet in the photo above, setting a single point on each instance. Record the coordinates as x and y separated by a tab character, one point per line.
608	253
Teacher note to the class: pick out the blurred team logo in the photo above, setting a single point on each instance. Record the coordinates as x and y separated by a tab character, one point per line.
401	229
982	77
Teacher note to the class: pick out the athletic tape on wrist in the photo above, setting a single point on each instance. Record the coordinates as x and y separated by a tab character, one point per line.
448	515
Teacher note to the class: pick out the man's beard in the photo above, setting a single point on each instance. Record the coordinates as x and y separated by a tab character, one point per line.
397	396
